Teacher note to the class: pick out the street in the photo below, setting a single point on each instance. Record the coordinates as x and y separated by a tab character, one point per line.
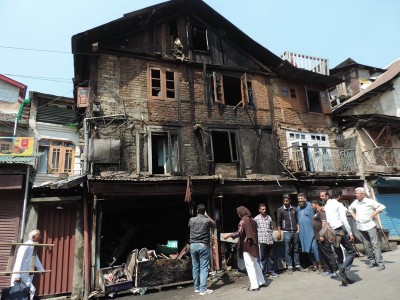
370	284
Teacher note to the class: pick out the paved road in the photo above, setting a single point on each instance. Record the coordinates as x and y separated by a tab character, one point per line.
370	285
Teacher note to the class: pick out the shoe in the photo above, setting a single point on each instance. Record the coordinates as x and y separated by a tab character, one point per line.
289	271
343	277
380	268
253	290
262	285
196	291
350	281
313	269
206	292
320	271
273	275
300	269
333	275
372	265
326	273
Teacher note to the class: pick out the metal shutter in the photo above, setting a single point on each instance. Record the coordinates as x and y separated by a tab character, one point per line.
390	217
10	212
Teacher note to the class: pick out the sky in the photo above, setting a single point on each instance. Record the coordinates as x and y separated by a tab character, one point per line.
35	35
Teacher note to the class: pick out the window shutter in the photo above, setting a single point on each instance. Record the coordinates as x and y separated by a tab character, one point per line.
308	104
325	103
218	88
244	90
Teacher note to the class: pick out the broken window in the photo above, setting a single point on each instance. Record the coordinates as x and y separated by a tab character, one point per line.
199	38
318	101
292	93
162	83
58	157
158	152
224	146
230	90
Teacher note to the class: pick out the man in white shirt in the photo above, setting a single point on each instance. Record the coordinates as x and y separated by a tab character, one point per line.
337	219
23	262
364	211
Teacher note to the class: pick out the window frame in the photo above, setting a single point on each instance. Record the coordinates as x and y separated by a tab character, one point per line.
172	152
323	99
164	89
229	133
202	29
64	152
247	94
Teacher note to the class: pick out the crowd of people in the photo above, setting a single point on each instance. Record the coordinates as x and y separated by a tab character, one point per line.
319	228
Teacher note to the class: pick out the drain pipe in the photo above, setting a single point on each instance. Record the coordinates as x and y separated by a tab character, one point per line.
86	150
21	237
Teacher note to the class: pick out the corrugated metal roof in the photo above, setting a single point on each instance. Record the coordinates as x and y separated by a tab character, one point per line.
125	177
8	159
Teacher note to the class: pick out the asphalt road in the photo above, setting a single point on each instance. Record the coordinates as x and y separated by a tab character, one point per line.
370	285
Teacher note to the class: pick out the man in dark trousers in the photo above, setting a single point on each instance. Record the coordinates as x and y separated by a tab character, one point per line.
287	222
200	248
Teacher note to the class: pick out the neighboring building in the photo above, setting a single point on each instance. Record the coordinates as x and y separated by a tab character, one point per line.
369	122
356	77
56	202
310	150
180	107
16	165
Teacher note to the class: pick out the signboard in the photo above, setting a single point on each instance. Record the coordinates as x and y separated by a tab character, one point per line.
16	146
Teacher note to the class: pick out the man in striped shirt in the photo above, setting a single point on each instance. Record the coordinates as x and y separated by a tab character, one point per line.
265	240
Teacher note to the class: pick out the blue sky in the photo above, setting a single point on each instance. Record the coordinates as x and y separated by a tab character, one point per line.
367	31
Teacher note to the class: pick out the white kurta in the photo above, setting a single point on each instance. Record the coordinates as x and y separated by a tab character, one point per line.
23	263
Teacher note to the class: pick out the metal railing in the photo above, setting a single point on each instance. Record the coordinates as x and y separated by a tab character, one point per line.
382	156
319	159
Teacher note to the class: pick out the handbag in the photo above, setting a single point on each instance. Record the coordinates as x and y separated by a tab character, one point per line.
328	233
5	292
19	292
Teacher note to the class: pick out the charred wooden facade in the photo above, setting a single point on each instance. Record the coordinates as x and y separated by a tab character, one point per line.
182	105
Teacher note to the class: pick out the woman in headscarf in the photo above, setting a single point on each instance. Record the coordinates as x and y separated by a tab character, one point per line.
248	247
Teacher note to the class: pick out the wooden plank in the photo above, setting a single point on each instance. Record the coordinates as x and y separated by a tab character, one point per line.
19	244
24	272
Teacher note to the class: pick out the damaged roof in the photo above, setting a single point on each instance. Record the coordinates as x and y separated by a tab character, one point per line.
350	63
140	19
380	85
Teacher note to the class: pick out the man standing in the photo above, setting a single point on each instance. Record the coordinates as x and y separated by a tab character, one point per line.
308	243
287	222
337	220
23	262
364	211
265	240
200	248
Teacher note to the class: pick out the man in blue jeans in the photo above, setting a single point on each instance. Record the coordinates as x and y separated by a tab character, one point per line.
200	248
287	222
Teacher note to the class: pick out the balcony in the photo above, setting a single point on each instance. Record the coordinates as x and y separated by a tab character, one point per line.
382	160
320	159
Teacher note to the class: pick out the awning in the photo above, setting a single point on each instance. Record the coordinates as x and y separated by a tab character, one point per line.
387	182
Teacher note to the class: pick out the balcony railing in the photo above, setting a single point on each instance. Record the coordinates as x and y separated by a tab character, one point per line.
382	156
320	159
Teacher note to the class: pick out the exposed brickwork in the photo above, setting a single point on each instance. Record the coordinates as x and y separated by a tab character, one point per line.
123	89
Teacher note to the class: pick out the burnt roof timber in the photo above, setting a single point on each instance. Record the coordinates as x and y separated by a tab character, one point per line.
82	42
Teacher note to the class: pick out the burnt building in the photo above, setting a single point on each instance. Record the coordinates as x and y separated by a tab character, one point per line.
180	107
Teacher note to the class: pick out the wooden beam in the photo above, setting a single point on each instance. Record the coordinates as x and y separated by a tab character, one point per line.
57	199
